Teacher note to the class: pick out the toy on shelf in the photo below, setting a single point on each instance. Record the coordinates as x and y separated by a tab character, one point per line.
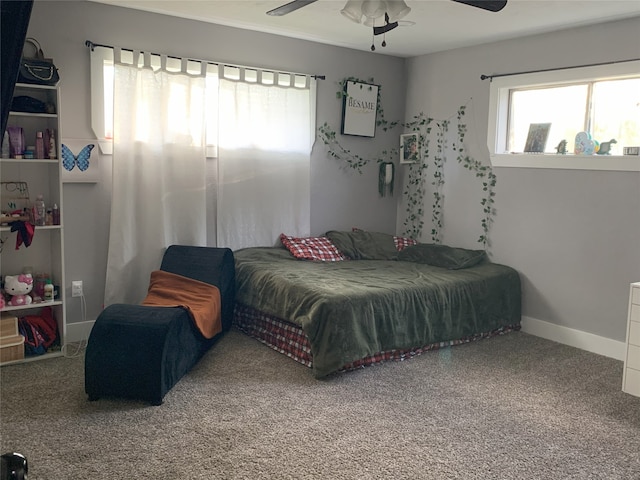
605	147
585	145
19	287
562	147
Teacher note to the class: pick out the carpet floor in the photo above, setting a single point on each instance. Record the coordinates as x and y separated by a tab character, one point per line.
509	407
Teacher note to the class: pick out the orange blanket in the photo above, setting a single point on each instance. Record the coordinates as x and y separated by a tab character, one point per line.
200	299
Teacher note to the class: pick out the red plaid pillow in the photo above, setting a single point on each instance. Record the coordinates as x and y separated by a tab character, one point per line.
312	248
403	242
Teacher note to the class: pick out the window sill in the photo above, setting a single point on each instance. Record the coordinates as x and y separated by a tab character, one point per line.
622	163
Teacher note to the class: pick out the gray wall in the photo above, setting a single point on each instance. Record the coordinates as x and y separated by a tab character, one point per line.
573	235
339	199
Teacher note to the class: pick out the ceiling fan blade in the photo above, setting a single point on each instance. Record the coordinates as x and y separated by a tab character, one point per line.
289	7
384	29
490	5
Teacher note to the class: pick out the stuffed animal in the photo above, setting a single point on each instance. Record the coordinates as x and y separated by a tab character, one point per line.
18	287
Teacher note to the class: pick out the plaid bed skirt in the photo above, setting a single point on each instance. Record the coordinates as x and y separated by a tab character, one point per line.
290	340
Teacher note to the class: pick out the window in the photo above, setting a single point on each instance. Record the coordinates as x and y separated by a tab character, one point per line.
102	71
603	101
102	81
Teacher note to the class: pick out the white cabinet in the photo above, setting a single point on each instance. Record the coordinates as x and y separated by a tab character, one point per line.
631	375
43	177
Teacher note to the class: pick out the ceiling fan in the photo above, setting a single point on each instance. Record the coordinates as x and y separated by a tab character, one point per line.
391	11
490	5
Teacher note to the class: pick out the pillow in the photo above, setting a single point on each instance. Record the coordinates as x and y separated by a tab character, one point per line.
363	245
442	256
400	242
312	248
403	242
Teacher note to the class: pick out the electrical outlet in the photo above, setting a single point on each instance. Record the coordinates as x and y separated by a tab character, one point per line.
76	288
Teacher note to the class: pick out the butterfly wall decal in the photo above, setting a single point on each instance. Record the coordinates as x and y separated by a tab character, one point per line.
69	160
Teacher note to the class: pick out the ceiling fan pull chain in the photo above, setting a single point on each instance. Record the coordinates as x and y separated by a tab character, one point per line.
373	47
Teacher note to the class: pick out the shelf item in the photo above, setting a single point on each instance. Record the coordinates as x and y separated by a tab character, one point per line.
631	373
11	342
43	177
11	348
9	219
8	325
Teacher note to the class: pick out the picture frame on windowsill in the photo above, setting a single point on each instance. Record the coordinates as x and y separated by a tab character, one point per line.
537	138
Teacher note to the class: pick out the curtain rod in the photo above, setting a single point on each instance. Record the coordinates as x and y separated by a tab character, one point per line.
92	45
491	77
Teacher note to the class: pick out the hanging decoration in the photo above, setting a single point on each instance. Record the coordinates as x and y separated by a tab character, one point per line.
80	167
328	135
484	173
439	160
386	174
69	160
415	188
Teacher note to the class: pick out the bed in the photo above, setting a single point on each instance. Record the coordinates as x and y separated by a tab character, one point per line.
371	299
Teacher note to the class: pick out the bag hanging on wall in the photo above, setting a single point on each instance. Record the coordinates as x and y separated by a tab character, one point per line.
37	69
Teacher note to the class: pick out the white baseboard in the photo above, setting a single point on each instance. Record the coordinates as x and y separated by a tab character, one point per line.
557	333
574	338
79	331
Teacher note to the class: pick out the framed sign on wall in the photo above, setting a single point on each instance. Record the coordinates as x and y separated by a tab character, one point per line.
359	109
409	148
79	163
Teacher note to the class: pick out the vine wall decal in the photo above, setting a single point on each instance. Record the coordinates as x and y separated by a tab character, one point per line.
414	192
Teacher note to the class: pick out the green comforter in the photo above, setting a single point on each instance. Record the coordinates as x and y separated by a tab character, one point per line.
355	308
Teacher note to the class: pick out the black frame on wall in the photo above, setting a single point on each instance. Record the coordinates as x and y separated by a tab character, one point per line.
359	109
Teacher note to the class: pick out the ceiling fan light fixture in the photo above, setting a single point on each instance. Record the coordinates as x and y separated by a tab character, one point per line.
373	8
370	21
397	9
353	10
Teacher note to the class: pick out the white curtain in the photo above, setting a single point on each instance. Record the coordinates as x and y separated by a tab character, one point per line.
158	192
266	132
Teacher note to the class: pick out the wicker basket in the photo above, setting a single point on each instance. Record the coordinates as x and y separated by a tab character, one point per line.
11	348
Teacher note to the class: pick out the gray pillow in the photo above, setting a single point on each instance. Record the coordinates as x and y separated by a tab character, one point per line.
442	256
363	245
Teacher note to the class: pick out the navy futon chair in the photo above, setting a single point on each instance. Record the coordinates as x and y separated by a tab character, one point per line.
141	352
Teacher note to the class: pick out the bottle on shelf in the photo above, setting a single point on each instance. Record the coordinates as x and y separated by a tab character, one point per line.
48	291
52	145
39	145
16	141
48	219
40	211
55	213
39	284
5	145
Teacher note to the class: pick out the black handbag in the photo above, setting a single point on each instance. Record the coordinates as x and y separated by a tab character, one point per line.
24	103
37	69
